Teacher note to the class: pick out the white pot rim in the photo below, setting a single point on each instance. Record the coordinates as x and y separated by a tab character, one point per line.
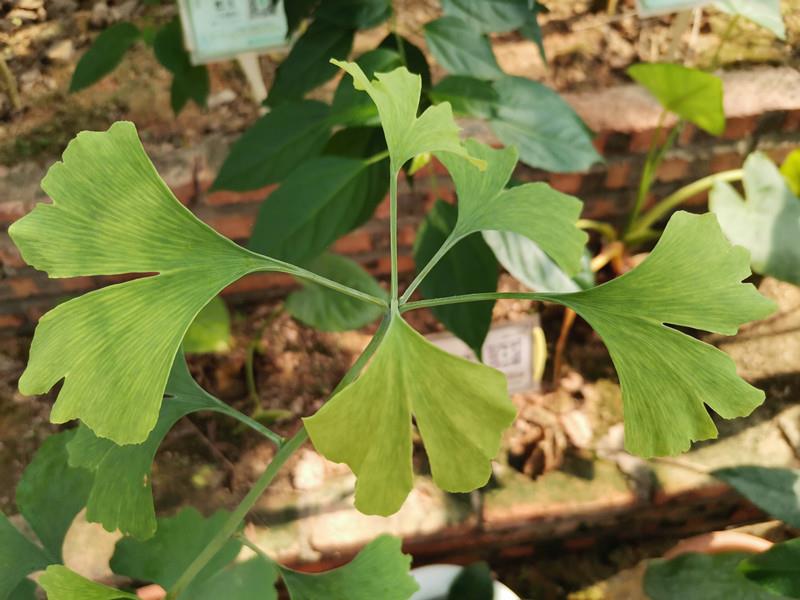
435	581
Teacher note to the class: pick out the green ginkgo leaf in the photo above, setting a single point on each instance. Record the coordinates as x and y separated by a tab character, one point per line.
211	329
691	279
766	221
62	584
380	570
691	94
112	214
396	94
460	407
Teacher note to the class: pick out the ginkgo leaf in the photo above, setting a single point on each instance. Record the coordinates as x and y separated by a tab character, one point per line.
460	407
112	214
766	222
380	570
692	279
534	210
691	94
396	94
60	583
18	557
211	329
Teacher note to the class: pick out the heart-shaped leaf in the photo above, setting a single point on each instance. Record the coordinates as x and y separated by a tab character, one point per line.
104	54
777	569
775	491
461	48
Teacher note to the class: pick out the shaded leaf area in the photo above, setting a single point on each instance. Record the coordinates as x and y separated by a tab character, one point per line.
413	58
60	583
461	48
775	491
692	279
467	95
189	82
490	16
777	569
18	558
211	329
692	94
355	14
460	408
469	267
104	55
474	582
766	221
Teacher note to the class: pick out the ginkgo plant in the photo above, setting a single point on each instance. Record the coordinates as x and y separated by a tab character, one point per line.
118	351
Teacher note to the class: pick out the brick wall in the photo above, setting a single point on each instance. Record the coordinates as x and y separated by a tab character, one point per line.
763	108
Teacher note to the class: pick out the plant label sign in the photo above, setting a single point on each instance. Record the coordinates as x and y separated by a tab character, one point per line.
509	348
220	29
649	8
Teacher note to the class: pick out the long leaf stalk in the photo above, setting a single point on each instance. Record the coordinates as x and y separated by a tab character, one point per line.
394	174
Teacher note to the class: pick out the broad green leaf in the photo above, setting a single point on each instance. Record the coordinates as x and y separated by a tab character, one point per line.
112	214
121	495
26	590
469	267
414	58
298	11
380	570
766	13
461	49
775	491
351	107
546	131
275	145
211	329
692	94
691	279
307	65
189	82
474	582
355	14
327	310
460	407
489	16
50	493
396	94
178	541
533	31
702	577
777	569
250	580
766	221
467	95
534	210
62	584
529	264
104	55
790	169
18	557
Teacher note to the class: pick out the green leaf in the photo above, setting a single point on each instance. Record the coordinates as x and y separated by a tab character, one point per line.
461	49
112	214
533	31
767	222
50	493
489	16
274	146
544	128
414	58
351	107
766	13
355	14
104	55
467	95
474	582
26	590
396	94
163	558
691	279
534	210
189	82
18	557
380	570
211	329
307	65
775	491
250	580
298	11
693	95
701	577
121	495
62	584
531	266
790	169
327	310
777	569
469	267
460	407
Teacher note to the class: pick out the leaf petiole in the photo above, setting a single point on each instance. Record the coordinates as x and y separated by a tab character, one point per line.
481	297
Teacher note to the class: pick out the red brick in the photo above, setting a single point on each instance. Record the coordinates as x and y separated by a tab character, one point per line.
185	193
356	242
405	264
569	183
779	154
10	257
11	210
737	128
23	287
235	226
600	140
382	212
618	175
725	161
687	134
792	121
641	140
77	284
260	281
225	197
673	169
11	321
406	235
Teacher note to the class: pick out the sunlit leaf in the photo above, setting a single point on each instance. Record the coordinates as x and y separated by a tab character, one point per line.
461	48
460	408
766	13
692	94
50	493
467	95
380	570
790	169
691	279
112	214
104	55
777	569
490	16
18	557
775	491
414	58
62	584
766	221
327	310
469	267
352	107
211	329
